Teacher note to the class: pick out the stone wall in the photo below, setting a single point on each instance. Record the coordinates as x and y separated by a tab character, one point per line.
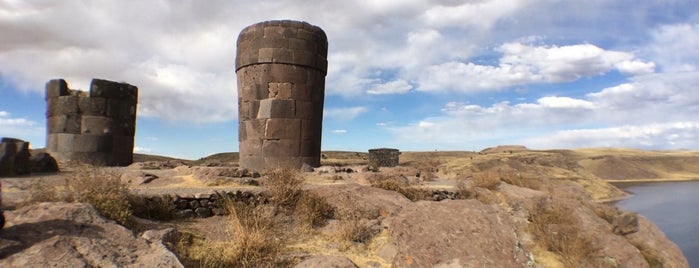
95	127
281	68
384	157
14	157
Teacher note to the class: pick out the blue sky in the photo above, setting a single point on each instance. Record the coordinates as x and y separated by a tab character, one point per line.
413	75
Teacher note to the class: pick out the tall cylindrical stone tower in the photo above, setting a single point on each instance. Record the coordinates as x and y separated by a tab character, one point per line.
95	127
281	68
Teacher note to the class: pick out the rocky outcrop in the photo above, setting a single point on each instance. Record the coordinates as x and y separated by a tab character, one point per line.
75	235
455	233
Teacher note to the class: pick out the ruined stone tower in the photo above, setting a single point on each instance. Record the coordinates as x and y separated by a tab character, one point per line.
95	127
281	68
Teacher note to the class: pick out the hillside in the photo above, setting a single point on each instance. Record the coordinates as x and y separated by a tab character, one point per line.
501	207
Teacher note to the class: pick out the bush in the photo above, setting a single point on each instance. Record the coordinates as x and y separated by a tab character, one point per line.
357	225
518	179
284	186
255	242
103	190
312	211
556	229
489	179
41	192
399	185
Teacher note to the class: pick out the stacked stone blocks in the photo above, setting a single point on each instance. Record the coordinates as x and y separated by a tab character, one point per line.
96	127
384	157
281	68
14	157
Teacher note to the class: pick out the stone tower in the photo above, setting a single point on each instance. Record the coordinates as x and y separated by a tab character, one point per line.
281	68
95	127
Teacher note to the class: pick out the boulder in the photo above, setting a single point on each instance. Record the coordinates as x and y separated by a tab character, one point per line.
625	223
75	235
43	162
452	233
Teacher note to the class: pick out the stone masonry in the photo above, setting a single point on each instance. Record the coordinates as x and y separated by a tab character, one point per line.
14	157
281	68
384	157
95	127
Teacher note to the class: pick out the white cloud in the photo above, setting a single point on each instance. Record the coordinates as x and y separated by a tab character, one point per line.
676	47
672	135
21	128
339	131
652	111
392	87
477	14
635	67
344	113
525	64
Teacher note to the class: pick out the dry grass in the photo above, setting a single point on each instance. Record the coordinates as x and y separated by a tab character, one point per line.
518	179
258	235
104	190
488	179
357	225
556	229
255	240
41	192
284	186
400	185
312	211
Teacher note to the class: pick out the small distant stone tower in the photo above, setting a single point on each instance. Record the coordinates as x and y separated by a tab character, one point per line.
281	68
95	127
384	157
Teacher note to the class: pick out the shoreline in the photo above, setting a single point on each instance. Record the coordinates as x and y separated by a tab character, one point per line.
652	180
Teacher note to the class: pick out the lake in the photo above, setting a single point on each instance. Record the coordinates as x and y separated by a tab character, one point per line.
673	207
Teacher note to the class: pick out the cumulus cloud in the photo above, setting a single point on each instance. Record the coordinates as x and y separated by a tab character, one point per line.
672	135
652	111
180	57
525	64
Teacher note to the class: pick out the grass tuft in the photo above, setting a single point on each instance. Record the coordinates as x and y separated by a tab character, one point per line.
312	211
284	186
397	184
104	190
556	229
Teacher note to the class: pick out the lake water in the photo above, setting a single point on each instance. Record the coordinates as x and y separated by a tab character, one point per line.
673	207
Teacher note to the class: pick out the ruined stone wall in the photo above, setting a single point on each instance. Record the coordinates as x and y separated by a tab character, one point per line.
14	157
95	127
281	68
384	157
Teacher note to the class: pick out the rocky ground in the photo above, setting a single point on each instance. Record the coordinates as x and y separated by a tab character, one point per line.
442	209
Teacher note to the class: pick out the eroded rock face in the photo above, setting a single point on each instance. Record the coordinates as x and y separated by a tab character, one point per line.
74	235
455	233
